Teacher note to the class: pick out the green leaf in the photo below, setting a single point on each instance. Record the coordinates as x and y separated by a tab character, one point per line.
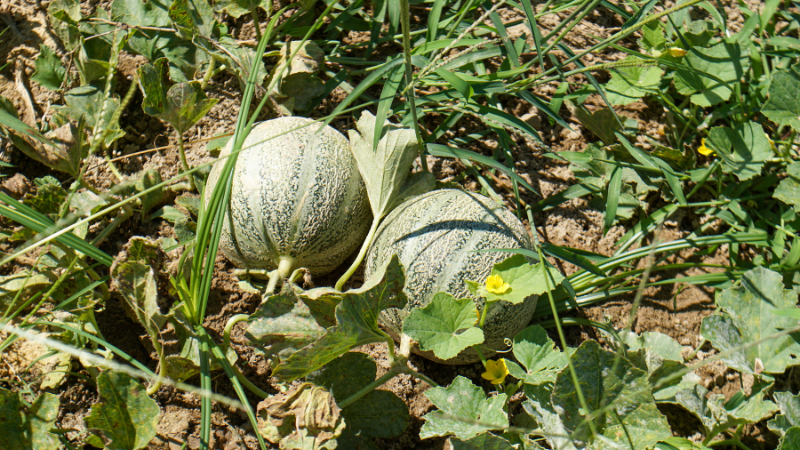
88	101
717	414
464	411
791	440
788	190
356	322
345	375
445	326
607	379
539	356
783	107
789	417
743	148
385	167
653	37
26	427
601	122
49	71
485	441
282	325
125	417
237	8
523	278
379	414
135	281
660	356
722	65
181	106
748	316
539	407
659	344
149	179
49	196
628	84
299	83
192	17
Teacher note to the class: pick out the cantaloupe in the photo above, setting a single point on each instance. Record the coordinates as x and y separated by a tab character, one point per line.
297	199
435	236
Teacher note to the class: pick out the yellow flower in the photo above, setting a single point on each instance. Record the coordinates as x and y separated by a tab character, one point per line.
703	150
496	371
495	285
676	52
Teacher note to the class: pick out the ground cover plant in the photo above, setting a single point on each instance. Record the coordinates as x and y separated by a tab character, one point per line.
124	329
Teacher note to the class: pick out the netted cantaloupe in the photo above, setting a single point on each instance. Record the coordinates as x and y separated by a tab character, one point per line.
297	199
435	236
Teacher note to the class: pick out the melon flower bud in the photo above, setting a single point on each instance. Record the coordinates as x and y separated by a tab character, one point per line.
496	371
703	150
495	285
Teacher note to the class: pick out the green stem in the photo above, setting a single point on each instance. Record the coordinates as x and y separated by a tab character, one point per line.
226	333
273	276
367	389
361	254
184	162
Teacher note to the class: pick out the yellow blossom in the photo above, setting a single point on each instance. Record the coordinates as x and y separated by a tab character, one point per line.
496	371
495	285
676	52
703	150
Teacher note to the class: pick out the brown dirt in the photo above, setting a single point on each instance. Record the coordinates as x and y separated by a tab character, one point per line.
676	310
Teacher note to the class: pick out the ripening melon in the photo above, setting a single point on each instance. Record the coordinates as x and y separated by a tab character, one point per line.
434	236
297	199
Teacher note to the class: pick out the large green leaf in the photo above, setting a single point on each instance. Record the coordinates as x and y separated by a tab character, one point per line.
717	415
788	189
445	326
722	64
541	360
24	427
136	282
539	406
524	280
743	148
783	106
618	397
464	411
485	441
356	322
385	167
789	417
748	316
282	325
660	356
628	84
125	418
379	414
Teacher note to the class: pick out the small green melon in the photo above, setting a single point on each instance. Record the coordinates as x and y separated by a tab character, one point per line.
435	236
297	199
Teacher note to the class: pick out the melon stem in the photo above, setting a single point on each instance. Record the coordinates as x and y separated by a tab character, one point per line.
285	268
360	257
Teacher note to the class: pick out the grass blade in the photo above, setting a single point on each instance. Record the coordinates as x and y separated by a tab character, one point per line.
444	151
612	198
